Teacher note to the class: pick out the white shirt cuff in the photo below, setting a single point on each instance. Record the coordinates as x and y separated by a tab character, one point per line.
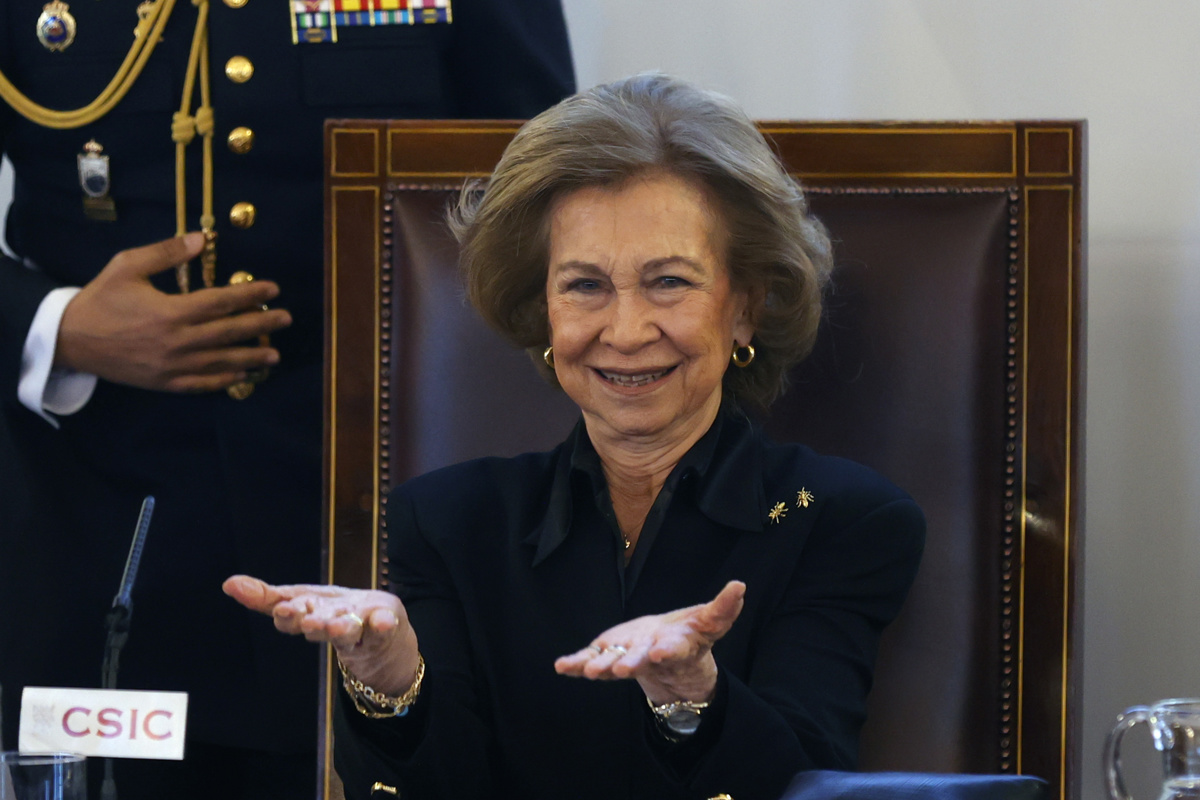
41	388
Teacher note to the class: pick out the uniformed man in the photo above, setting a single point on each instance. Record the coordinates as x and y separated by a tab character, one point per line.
113	384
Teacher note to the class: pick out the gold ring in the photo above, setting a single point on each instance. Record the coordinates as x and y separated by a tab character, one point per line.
618	648
362	627
597	648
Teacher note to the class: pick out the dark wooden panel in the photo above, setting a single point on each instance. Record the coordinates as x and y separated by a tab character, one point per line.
1045	498
354	152
896	151
1049	152
351	356
433	152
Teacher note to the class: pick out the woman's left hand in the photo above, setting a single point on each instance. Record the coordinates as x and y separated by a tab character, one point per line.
669	655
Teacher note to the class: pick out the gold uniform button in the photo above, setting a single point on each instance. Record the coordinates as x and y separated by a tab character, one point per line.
242	215
241	140
239	69
236	3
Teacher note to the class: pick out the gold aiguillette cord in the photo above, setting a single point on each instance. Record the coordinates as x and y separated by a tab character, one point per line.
147	34
183	126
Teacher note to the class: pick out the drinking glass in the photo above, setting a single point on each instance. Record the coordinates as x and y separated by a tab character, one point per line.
1175	727
42	776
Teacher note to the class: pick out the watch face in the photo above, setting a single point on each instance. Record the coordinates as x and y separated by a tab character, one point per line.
683	720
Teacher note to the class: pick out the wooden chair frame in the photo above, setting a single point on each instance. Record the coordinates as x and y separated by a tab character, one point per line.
1039	166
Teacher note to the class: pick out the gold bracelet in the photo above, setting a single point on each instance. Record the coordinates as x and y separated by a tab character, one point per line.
377	705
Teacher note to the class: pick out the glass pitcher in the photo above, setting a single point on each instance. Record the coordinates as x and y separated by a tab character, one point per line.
1175	728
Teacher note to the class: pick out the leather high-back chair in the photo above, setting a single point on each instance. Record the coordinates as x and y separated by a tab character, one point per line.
950	359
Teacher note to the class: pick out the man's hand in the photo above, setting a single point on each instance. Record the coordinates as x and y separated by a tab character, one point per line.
122	329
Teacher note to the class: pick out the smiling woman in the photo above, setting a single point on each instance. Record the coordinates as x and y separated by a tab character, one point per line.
642	313
652	126
666	605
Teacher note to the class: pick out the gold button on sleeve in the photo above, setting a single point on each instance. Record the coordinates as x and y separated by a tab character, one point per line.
241	140
236	3
242	215
239	69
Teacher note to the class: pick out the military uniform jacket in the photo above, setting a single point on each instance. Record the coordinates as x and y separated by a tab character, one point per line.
237	483
505	564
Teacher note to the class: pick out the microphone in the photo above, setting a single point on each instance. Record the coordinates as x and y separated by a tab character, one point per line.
117	623
123	597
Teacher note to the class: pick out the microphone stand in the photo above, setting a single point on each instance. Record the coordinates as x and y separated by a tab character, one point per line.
117	623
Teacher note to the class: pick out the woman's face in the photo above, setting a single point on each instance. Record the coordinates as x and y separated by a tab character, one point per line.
642	313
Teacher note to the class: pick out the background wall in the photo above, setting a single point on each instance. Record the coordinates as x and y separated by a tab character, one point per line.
1130	70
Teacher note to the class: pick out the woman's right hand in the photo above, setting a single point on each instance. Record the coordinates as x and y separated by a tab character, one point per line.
369	629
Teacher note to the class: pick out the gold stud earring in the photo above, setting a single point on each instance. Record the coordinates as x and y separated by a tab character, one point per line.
742	355
548	356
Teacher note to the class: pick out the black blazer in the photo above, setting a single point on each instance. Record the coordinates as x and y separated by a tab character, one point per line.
238	484
505	564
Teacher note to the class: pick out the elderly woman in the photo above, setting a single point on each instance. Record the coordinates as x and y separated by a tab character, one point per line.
666	605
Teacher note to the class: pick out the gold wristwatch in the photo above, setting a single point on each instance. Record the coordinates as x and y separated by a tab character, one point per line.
677	720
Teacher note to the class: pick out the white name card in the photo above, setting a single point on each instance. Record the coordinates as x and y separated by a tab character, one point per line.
112	723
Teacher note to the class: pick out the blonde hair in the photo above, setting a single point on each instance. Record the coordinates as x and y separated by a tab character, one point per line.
776	252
